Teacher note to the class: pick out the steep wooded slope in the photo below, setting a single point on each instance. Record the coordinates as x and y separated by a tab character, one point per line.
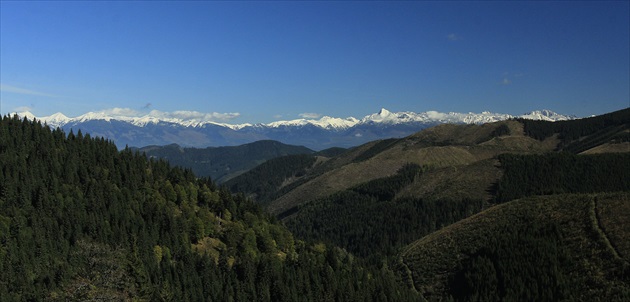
560	247
354	200
223	163
81	221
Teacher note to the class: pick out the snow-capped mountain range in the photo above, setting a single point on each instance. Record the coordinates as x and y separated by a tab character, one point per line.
194	129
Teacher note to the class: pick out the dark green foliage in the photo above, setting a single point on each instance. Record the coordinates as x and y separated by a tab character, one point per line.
369	222
80	220
265	180
501	130
368	227
603	128
223	163
330	152
384	189
525	265
542	248
556	173
613	134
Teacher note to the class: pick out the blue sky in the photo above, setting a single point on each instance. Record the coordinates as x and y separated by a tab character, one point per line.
266	61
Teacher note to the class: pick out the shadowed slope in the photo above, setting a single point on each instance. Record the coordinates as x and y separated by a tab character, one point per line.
540	248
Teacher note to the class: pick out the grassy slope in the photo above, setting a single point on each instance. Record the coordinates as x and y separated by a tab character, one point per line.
453	152
472	181
594	266
609	148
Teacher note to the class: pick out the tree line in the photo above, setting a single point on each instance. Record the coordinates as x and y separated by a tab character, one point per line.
602	128
562	172
370	221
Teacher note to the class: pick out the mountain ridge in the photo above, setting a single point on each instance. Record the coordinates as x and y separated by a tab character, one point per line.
194	129
223	163
453	153
116	225
382	116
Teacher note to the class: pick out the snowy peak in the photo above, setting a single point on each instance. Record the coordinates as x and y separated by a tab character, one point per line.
383	117
546	115
336	123
56	119
384	112
128	127
326	122
181	118
25	114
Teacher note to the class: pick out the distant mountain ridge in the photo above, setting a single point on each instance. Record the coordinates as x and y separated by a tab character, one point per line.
474	149
159	128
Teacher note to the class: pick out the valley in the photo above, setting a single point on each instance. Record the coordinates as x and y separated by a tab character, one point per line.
314	151
509	210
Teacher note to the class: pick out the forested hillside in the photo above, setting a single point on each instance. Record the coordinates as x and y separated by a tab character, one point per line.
376	199
369	221
263	181
547	248
582	134
558	173
80	220
223	163
463	159
436	215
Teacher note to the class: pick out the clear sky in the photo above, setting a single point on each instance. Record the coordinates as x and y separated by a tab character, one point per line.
266	61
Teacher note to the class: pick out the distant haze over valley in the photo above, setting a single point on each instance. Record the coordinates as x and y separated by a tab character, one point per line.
127	127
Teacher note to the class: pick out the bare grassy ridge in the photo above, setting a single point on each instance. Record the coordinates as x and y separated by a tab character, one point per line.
447	149
609	148
593	272
336	174
472	181
453	134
